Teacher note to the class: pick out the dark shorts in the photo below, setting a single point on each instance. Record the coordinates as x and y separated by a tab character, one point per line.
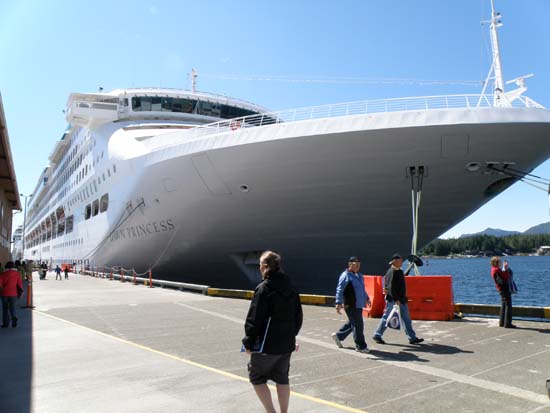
264	367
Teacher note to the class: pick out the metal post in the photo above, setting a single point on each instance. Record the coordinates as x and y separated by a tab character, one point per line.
135	279
111	278
121	276
150	279
24	225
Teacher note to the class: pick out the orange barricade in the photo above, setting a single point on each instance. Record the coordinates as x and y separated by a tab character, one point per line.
373	286
69	266
430	297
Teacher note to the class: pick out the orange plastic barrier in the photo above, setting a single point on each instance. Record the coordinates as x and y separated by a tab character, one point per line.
430	297
374	288
69	266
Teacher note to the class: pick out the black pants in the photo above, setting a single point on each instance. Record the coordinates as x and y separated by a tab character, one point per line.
8	311
355	325
505	309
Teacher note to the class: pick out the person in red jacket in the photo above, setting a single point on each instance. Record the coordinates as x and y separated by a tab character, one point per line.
11	288
501	277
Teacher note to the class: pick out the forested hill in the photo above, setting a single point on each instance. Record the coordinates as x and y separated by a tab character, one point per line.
487	244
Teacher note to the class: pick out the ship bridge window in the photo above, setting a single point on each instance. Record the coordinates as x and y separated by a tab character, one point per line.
183	105
88	212
95	207
104	203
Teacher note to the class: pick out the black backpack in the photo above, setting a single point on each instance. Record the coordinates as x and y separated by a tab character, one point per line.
349	295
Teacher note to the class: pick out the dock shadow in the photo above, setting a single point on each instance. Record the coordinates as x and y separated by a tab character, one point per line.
16	359
432	348
400	356
386	355
538	330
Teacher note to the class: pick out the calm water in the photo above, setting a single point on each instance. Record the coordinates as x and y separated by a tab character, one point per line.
472	282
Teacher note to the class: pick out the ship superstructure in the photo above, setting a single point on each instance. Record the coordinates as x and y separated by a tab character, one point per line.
195	186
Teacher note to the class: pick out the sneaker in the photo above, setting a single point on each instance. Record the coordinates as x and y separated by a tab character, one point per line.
363	350
416	341
336	340
378	340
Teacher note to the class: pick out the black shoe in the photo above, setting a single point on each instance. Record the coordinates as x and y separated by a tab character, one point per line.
511	326
416	341
378	340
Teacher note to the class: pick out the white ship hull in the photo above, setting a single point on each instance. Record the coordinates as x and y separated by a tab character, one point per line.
317	191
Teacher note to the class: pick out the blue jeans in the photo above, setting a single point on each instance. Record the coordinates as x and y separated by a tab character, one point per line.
355	325
406	322
8	304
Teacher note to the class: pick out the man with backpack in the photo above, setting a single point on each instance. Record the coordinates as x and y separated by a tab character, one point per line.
352	297
43	270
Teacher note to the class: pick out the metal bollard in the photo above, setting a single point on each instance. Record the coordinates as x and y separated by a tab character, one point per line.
121	276
135	279
111	277
150	279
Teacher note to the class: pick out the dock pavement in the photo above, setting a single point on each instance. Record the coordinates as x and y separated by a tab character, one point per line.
94	345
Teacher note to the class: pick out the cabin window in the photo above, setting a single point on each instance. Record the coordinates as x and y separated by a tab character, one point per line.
104	203
95	207
88	212
69	224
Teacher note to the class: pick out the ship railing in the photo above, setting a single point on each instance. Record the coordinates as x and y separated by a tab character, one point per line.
367	107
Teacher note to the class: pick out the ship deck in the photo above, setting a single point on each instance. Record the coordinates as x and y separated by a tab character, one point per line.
98	345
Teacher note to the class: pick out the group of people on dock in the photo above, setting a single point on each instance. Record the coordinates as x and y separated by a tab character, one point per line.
12	279
275	317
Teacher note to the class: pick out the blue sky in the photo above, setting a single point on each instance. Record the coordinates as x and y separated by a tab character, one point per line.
50	49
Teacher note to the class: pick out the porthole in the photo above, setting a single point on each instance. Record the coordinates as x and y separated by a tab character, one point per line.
473	166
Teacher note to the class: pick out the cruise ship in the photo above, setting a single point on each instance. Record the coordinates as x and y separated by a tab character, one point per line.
194	186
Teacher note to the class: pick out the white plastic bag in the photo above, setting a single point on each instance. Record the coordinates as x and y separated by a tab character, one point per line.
394	319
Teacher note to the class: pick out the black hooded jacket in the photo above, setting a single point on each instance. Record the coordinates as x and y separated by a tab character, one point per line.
274	297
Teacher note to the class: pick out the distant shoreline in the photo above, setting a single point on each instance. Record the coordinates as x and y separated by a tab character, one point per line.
457	256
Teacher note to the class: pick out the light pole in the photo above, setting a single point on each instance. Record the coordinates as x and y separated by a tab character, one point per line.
24	225
29	278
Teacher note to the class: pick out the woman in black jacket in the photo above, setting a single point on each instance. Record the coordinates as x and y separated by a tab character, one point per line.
272	324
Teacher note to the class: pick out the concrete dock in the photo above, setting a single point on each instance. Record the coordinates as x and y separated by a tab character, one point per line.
94	345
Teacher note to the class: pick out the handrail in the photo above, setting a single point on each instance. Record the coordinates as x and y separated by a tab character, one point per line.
424	103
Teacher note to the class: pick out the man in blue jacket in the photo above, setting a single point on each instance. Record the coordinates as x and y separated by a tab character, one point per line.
352	297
